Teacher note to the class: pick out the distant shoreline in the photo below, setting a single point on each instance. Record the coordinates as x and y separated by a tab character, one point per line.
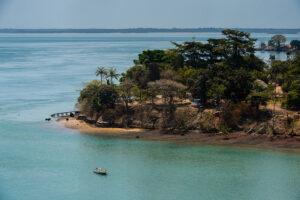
152	30
237	139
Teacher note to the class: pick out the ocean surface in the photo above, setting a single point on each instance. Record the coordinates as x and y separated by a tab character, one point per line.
41	74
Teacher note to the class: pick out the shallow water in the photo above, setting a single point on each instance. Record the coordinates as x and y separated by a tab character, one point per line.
42	73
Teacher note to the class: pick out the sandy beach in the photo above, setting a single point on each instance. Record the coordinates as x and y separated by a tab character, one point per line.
193	138
83	127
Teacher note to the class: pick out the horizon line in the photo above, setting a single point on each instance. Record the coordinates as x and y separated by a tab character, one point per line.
145	30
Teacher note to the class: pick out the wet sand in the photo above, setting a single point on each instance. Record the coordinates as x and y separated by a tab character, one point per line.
193	137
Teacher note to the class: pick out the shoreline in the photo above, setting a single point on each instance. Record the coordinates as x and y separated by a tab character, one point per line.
236	139
84	127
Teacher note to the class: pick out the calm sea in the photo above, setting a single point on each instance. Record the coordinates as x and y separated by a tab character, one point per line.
42	74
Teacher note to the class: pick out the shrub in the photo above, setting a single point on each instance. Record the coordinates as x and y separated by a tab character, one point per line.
206	122
292	100
110	116
96	98
232	115
184	118
229	116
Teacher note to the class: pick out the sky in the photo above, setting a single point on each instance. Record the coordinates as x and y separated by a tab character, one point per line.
149	13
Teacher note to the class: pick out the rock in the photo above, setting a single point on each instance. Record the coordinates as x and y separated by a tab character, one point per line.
81	117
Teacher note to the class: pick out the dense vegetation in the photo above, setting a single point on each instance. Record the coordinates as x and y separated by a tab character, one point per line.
229	82
287	74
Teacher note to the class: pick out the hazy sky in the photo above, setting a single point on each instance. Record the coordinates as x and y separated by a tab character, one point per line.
149	13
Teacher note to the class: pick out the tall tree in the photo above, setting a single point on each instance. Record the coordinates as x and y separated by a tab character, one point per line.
169	90
112	74
126	92
195	54
232	69
102	72
238	44
277	41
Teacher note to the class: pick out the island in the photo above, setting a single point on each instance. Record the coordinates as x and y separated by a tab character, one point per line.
217	92
278	43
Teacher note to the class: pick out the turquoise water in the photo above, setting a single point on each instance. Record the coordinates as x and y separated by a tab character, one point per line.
42	74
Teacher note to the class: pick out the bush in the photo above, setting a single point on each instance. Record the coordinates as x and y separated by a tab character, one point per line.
292	100
146	117
206	122
96	98
232	115
229	116
184	118
110	116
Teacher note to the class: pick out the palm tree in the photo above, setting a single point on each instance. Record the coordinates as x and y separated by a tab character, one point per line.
102	72
112	74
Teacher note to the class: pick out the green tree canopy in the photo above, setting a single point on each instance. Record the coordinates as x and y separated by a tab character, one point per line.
96	97
238	45
292	84
233	70
277	41
278	71
151	56
195	54
138	74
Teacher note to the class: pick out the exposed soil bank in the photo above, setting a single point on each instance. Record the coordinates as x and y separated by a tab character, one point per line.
193	137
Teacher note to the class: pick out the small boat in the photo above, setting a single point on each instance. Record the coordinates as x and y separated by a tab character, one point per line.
100	171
